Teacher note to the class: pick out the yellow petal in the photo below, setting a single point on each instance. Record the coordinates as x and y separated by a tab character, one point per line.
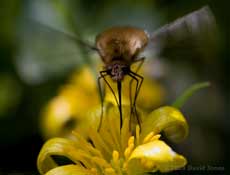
85	78
70	104
151	94
154	156
57	112
167	119
100	144
60	147
69	170
86	146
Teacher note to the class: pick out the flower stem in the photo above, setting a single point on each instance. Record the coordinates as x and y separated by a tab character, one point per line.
180	101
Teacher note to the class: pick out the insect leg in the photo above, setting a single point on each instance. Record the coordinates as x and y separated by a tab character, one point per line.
138	86
107	83
102	75
101	98
133	74
131	100
141	60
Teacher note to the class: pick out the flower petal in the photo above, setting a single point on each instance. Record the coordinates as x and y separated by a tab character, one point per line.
54	116
67	110
167	119
154	156
60	147
68	170
151	94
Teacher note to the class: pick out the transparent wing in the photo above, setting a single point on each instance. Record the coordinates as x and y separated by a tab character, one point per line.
46	52
73	37
193	35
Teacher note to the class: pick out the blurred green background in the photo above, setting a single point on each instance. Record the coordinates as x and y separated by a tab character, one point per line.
35	61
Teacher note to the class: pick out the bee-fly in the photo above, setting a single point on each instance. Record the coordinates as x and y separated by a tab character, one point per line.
120	47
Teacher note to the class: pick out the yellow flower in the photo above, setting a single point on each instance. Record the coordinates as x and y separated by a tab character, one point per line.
115	151
67	110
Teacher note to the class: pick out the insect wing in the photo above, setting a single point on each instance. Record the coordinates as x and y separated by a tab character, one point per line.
190	36
46	52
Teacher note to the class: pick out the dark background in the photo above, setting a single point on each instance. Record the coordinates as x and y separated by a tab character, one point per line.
30	74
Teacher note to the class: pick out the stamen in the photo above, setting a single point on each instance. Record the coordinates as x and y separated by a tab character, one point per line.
93	170
115	156
110	171
148	137
130	147
156	137
125	164
131	140
137	134
102	163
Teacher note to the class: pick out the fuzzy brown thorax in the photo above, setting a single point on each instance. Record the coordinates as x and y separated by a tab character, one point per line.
119	47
